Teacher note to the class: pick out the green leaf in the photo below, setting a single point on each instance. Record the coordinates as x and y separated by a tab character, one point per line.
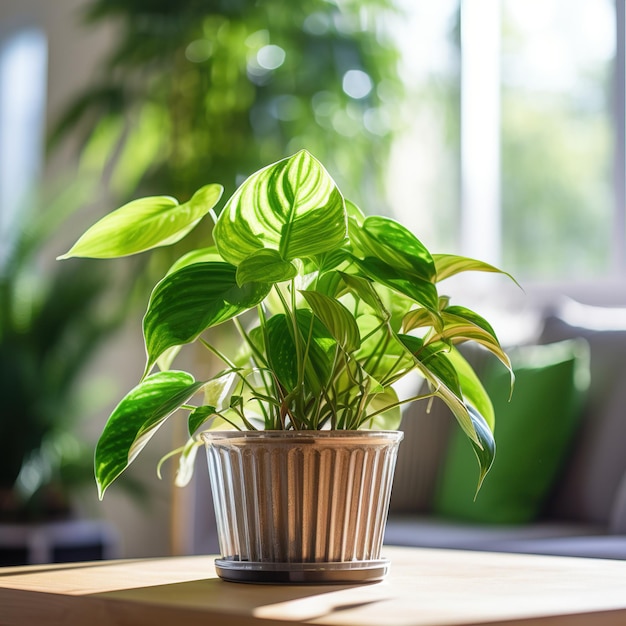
434	356
469	326
421	291
337	319
437	369
198	416
265	266
399	247
330	284
417	318
330	260
446	374
471	387
363	289
144	224
200	255
135	420
450	264
165	360
389	419
321	351
218	390
398	306
292	206
282	354
236	401
471	316
485	448
281	351
354	213
195	298
422	318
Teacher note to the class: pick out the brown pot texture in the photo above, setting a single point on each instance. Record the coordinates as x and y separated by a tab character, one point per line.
302	501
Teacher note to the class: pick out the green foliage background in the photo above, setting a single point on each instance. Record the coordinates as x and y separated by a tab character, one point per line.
182	99
52	324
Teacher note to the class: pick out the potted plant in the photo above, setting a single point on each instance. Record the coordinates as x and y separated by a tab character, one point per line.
332	308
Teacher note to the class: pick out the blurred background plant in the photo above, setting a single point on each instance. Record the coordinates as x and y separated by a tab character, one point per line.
188	93
206	91
52	324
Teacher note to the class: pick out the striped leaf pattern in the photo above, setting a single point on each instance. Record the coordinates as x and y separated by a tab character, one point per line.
450	264
292	206
197	297
136	418
336	318
440	371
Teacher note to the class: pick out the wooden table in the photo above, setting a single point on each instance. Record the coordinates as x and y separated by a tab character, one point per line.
425	587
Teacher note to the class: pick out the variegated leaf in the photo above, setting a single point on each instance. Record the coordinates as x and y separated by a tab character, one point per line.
293	207
144	224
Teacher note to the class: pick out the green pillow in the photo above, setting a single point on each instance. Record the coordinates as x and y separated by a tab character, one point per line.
533	435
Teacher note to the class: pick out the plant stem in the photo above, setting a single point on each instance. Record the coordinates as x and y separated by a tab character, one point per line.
217	353
290	313
256	353
401	402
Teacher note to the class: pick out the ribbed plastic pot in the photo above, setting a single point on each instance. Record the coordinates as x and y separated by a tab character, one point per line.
301	506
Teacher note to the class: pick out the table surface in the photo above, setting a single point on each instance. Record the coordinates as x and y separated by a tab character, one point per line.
425	587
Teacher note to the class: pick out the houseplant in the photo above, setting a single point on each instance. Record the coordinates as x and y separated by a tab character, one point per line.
332	309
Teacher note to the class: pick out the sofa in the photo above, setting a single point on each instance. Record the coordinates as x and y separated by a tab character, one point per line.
562	490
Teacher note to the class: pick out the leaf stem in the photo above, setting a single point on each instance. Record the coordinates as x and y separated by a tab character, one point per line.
217	353
423	396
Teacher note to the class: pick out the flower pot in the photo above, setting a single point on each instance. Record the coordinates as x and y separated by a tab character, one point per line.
301	506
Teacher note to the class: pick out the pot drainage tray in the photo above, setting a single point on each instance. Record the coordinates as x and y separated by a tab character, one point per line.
301	573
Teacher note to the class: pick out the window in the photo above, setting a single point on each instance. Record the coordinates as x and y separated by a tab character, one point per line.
424	170
557	133
523	140
23	58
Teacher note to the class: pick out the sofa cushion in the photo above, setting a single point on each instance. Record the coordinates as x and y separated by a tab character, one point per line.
533	435
426	431
588	487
